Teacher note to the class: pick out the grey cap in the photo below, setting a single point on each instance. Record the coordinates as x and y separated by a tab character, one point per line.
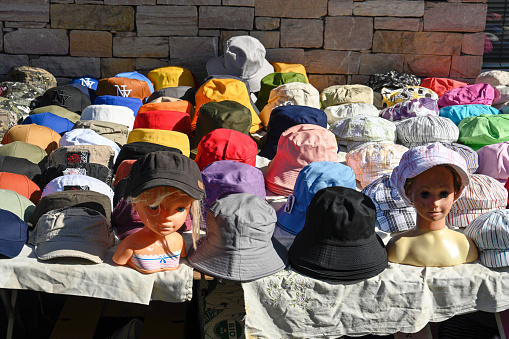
239	244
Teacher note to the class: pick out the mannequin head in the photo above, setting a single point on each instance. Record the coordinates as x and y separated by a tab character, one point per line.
432	193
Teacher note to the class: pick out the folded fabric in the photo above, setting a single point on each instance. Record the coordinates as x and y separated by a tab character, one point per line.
441	85
393	79
494	161
339	112
410	109
486	129
483	94
426	129
357	130
346	94
459	112
483	194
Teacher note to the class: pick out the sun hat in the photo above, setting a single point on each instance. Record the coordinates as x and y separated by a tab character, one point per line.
21	185
471	157
16	203
77	182
112	100
226	144
338	241
426	129
372	160
42	136
239	244
391	97
77	232
97	154
294	93
86	81
167	120
110	113
392	213
312	178
172	139
97	171
178	92
36	76
111	130
482	195
123	170
224	114
483	94
56	123
459	112
183	106
57	110
441	85
13	234
346	94
357	130
19	166
24	150
137	76
273	80
244	57
421	158
83	136
219	89
284	117
65	96
165	168
344	111
393	79
135	150
410	109
298	146
490	233
494	161
285	67
125	219
73	198
123	87
484	130
171	76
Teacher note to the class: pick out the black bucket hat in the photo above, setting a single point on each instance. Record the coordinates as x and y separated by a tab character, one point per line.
338	241
165	169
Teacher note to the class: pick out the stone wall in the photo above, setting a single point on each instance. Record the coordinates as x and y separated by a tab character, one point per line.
338	41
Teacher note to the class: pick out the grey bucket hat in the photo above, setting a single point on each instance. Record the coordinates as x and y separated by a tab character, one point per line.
239	244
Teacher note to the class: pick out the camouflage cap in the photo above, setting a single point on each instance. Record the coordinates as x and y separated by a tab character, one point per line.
35	76
8	105
7	120
21	94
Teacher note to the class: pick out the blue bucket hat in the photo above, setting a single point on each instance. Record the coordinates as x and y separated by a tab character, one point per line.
132	103
311	179
13	234
55	122
284	117
459	112
138	76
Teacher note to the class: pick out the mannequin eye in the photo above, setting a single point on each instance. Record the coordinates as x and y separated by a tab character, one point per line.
181	209
424	195
444	194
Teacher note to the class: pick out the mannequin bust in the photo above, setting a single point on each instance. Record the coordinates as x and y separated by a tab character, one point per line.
157	246
431	243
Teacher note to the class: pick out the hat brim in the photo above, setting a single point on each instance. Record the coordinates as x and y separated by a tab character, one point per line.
494	258
277	177
463	219
71	249
151	182
292	222
11	249
343	263
238	265
215	66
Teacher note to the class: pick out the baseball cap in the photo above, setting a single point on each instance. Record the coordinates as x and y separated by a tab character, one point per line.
118	114
132	103
42	136
66	96
55	122
13	234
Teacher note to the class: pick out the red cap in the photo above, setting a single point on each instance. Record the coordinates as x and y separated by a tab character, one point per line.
123	170
21	185
167	120
226	144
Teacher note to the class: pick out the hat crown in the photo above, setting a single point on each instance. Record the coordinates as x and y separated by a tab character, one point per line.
244	55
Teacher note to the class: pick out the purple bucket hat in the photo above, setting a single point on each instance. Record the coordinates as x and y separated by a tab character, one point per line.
410	109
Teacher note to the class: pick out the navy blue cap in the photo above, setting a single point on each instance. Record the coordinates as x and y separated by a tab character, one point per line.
13	234
132	103
284	117
53	121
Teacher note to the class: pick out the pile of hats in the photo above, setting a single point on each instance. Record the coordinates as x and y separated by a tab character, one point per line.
68	150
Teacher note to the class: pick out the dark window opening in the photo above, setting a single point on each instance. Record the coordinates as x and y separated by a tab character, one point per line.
496	43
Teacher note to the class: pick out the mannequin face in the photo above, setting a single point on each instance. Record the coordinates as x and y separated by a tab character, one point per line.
432	193
167	215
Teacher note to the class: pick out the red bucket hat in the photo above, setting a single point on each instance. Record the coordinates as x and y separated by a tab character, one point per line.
226	144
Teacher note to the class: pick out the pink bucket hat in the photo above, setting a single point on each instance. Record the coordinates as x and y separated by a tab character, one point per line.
483	94
421	158
494	161
298	146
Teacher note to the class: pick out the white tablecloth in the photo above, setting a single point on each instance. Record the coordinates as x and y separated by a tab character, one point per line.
402	298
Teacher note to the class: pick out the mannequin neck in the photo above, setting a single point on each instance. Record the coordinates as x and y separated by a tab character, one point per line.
426	225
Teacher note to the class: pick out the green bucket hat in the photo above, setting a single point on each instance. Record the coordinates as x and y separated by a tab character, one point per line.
273	80
486	129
